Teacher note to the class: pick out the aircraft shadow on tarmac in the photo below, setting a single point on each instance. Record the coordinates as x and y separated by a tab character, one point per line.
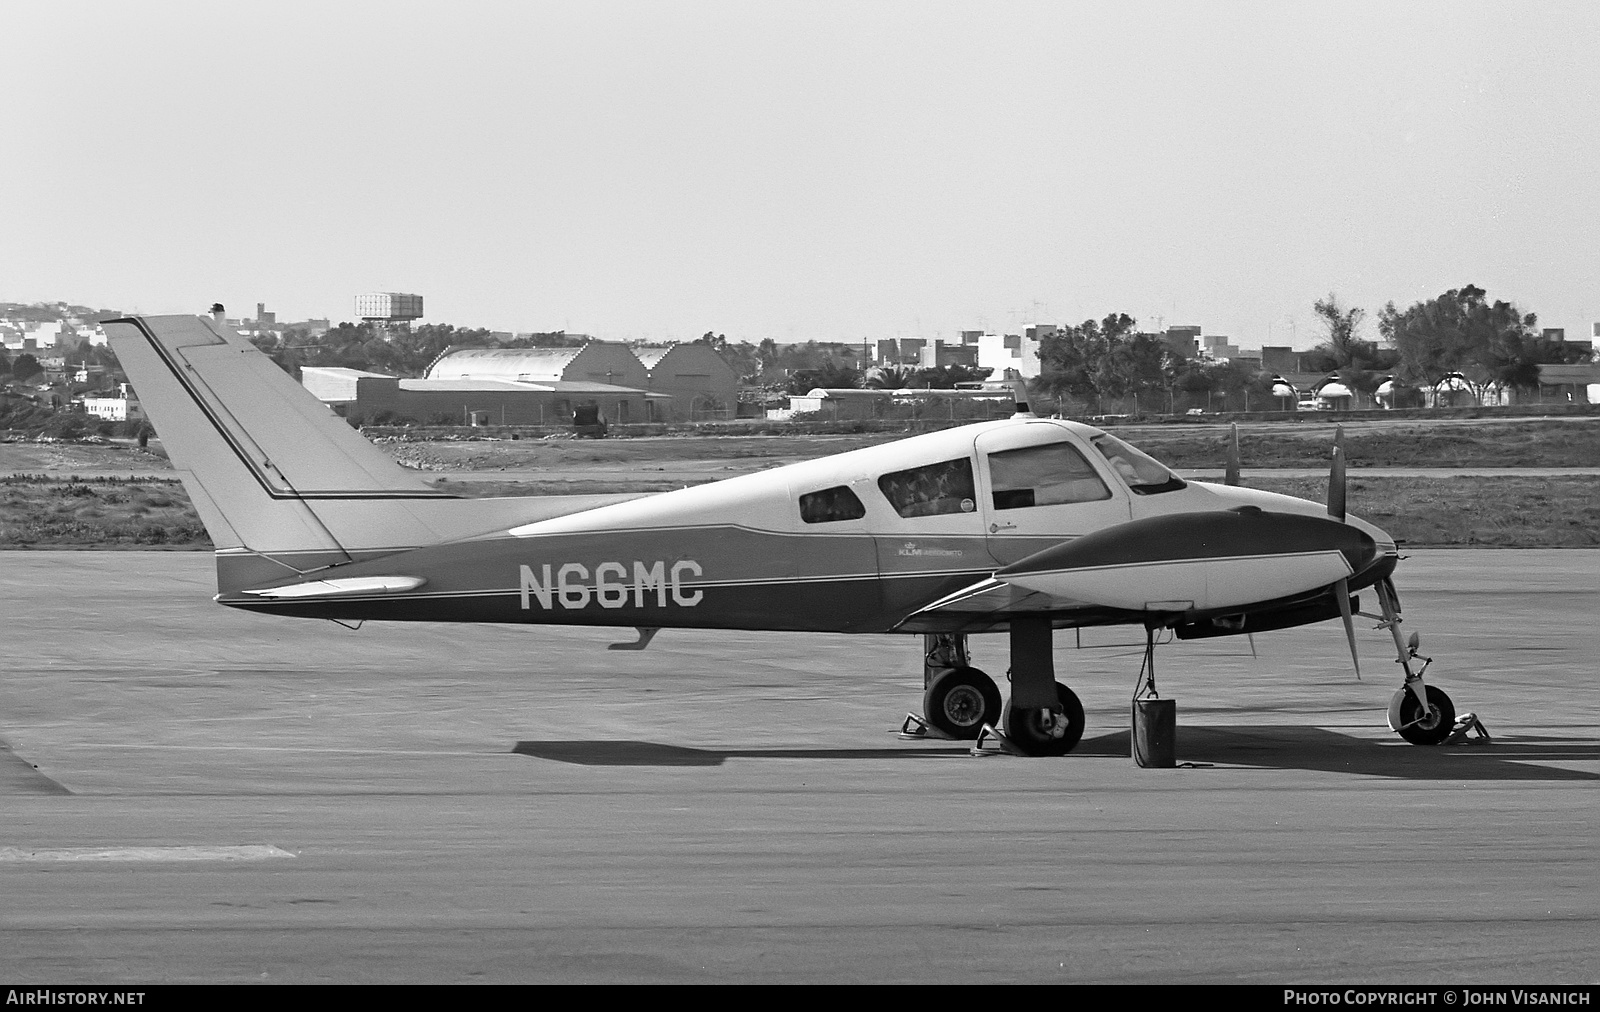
1313	748
1266	747
650	753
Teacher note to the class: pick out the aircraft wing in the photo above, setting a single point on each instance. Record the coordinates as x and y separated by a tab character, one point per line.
989	603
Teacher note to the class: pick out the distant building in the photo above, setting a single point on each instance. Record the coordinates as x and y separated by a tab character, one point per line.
1008	356
937	353
369	396
119	407
597	361
1184	340
1280	359
702	385
1568	383
389	308
42	335
1216	346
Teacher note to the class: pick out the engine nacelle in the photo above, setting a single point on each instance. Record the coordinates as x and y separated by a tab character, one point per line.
1197	561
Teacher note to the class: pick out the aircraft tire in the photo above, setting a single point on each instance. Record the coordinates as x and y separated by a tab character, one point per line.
1437	728
960	701
1023	729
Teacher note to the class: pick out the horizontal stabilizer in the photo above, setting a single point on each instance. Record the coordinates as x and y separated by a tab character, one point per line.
342	587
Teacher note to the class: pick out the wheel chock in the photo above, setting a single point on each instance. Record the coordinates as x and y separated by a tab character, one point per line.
914	727
992	741
1468	730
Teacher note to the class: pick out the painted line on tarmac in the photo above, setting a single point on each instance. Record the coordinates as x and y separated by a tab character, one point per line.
315	749
191	853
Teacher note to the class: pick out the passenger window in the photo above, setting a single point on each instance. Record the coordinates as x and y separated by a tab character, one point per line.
1043	476
831	504
932	490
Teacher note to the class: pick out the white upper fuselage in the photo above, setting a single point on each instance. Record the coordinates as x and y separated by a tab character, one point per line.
768	501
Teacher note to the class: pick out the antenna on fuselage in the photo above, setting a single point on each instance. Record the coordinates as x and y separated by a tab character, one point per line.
1019	389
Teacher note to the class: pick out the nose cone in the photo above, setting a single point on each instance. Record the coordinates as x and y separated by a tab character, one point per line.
1246	532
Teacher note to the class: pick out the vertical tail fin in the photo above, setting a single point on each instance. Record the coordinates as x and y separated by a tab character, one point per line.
271	470
283	484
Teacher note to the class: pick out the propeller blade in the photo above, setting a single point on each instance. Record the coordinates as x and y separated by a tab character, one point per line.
1336	481
1342	591
1231	476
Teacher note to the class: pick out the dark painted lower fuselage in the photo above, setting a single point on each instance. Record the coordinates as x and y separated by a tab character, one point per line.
711	578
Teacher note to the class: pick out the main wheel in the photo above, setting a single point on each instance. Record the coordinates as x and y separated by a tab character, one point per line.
1047	732
960	701
1432	729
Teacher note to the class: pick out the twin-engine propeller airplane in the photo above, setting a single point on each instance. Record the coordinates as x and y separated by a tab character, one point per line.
1026	525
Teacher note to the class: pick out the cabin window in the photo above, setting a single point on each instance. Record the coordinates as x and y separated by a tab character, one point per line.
931	490
1048	475
1144	474
830	505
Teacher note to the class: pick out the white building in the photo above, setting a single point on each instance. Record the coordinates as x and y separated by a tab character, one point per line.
1009	355
46	334
114	409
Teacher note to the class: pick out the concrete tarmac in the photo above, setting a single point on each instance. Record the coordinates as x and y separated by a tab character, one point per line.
193	794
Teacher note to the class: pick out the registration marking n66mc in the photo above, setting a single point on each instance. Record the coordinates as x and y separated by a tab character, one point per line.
570	586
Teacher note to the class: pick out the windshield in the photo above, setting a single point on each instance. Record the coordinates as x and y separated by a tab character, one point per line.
1144	474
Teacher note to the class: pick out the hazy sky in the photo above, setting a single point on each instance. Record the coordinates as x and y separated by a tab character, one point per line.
834	171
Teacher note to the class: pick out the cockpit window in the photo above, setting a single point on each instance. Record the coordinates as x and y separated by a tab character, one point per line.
831	504
931	490
1144	474
1047	475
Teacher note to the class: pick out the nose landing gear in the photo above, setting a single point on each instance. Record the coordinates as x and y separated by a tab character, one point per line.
1421	714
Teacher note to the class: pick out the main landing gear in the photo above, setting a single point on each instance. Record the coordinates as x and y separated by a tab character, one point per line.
957	698
1043	717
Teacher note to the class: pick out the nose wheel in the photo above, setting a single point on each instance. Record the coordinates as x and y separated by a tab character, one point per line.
1431	728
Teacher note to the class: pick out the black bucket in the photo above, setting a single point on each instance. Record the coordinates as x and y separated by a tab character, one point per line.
1155	733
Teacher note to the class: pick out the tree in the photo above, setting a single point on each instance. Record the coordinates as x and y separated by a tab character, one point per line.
1461	331
1341	323
717	342
25	367
1134	364
889	377
829	376
1105	358
1071	360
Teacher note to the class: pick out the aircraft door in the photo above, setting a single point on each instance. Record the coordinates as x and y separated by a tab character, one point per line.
1039	486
